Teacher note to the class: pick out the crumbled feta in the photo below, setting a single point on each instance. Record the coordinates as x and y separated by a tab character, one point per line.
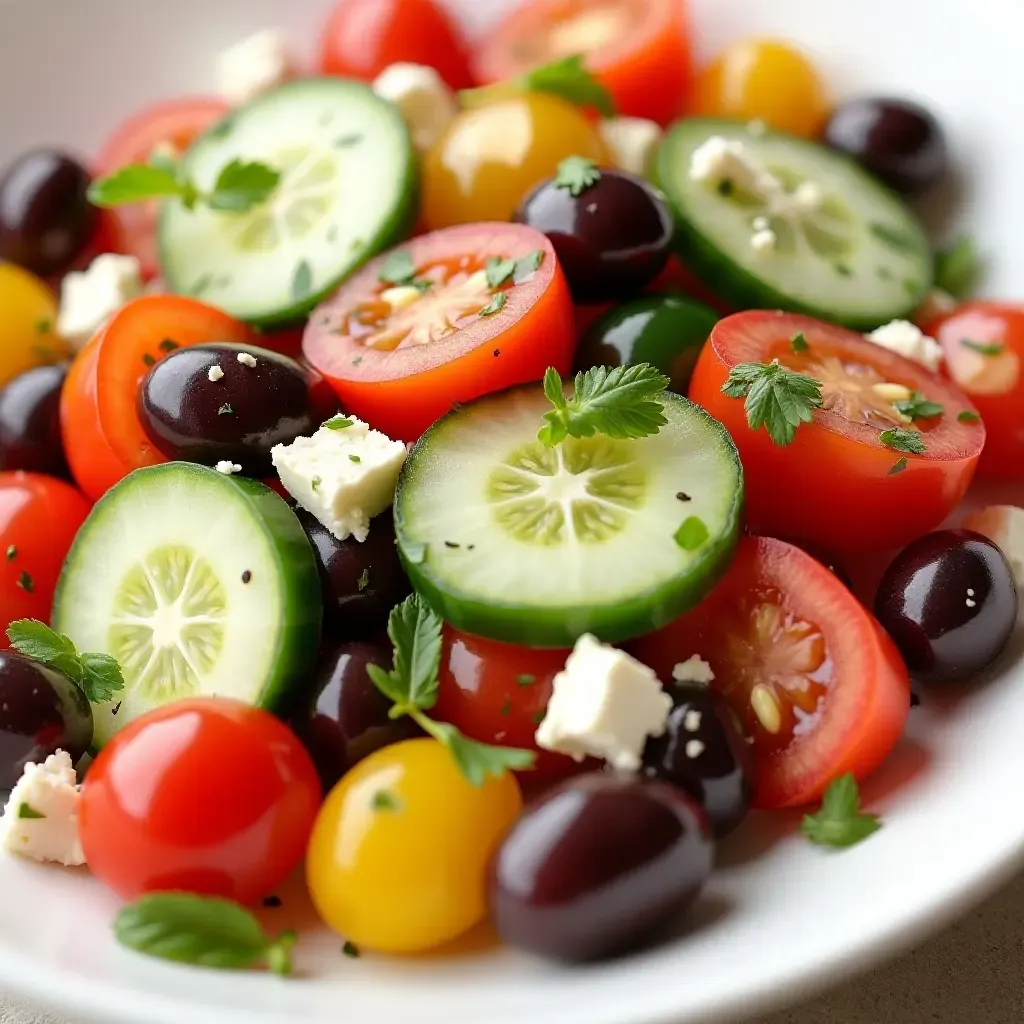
605	704
422	97
227	468
763	241
41	817
401	297
1004	526
343	477
88	297
247	359
808	196
255	65
630	141
903	338
215	374
694	670
720	159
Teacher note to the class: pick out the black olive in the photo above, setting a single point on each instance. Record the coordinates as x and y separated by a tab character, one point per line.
30	421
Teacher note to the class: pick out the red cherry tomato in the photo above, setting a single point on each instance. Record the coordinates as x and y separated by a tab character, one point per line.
362	37
838	485
209	795
639	49
174	123
984	347
39	517
817	682
402	367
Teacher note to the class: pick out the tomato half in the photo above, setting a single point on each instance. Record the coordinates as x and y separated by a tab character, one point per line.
817	682
28	321
639	49
402	360
362	37
837	484
984	347
209	795
174	123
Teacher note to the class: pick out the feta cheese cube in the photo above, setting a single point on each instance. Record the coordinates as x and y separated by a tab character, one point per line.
903	338
214	374
227	468
89	297
41	817
254	66
605	704
344	477
423	98
694	670
630	141
1004	526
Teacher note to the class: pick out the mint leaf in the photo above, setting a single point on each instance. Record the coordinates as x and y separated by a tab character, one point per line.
840	822
241	185
135	183
958	268
499	271
570	79
917	407
577	174
777	398
902	440
478	760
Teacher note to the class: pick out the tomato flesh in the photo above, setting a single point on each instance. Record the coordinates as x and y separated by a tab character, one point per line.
817	682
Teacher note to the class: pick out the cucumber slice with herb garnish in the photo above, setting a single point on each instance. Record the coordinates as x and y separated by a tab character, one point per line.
536	515
769	220
199	584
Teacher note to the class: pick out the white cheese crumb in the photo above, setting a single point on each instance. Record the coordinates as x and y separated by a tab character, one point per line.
1004	526
215	373
720	159
605	704
253	66
631	142
50	793
970	603
423	99
694	748
246	358
89	297
764	241
694	670
227	468
401	297
903	338
691	721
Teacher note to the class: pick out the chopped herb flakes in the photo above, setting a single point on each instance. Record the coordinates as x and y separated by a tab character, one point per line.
354	458
898	466
577	174
225	410
350	949
496	303
902	440
28	811
364	580
525	679
384	801
984	348
26	583
798	343
12	553
692	534
967	416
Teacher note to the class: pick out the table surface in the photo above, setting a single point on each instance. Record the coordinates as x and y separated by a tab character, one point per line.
971	974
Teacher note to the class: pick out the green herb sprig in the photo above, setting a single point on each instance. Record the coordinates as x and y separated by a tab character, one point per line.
576	174
777	398
840	822
917	407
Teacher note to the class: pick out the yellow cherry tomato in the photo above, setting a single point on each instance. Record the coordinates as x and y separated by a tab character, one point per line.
28	318
398	857
766	80
492	155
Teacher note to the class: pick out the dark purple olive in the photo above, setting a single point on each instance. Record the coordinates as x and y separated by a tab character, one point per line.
46	220
30	421
236	417
361	582
598	865
41	711
897	140
347	718
612	238
705	751
949	602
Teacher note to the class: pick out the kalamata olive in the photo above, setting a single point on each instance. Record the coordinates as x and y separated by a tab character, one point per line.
45	218
949	602
30	421
667	331
347	717
705	752
597	865
612	238
897	140
361	582
205	404
41	711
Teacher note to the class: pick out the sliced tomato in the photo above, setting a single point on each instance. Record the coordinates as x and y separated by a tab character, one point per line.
639	49
401	360
173	123
838	485
817	682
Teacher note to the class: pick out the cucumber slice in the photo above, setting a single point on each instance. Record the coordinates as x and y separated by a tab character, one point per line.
514	541
199	584
861	259
347	191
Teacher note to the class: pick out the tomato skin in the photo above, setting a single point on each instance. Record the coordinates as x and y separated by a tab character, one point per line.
39	517
865	685
362	37
207	795
833	485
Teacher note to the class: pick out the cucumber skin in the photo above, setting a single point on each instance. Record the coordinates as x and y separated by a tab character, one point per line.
562	627
293	555
736	285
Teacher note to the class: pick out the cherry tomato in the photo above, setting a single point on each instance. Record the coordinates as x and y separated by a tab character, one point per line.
838	484
28	316
765	80
497	693
39	517
984	347
492	155
173	124
817	682
639	49
398	858
207	795
401	359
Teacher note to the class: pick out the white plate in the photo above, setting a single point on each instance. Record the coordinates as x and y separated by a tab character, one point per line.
781	917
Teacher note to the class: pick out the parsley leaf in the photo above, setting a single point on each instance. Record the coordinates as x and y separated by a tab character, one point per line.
917	407
570	79
577	174
840	821
497	301
499	271
98	675
897	467
527	265
798	343
777	398
984	348
241	185
478	760
619	403
967	416
902	440
398	268
958	268
134	183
